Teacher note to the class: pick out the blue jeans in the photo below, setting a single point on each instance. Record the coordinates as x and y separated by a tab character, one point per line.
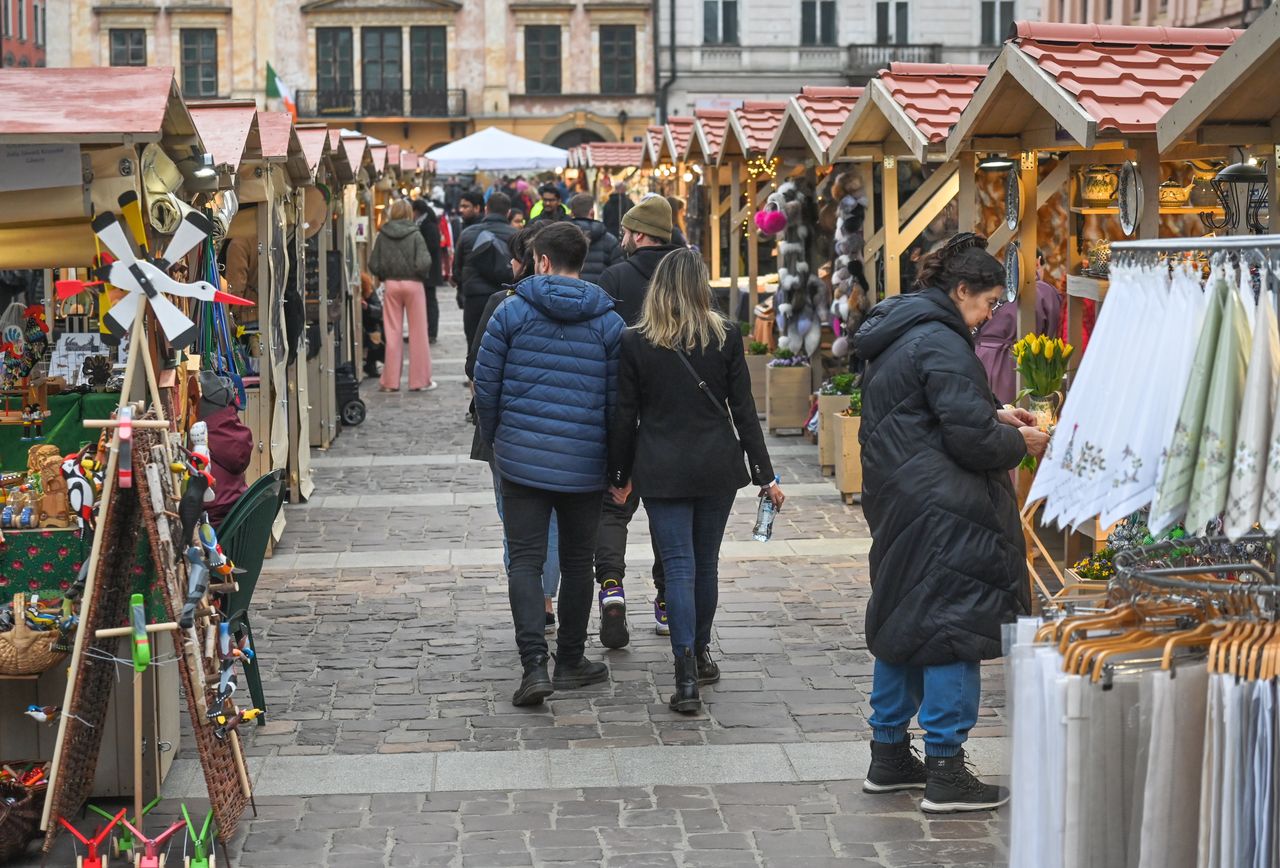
688	532
551	567
946	698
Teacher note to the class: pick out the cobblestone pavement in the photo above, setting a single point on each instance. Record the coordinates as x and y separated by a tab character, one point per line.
417	660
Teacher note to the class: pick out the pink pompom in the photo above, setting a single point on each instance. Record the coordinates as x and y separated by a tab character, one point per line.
771	222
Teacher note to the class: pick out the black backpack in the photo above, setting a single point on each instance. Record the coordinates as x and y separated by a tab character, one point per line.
491	258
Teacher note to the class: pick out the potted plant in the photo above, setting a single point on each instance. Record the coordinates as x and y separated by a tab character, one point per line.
848	451
833	397
758	358
787	391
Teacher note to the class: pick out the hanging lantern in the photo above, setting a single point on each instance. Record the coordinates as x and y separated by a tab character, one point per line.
1241	189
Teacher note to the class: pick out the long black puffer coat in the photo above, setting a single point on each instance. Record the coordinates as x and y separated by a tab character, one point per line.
948	559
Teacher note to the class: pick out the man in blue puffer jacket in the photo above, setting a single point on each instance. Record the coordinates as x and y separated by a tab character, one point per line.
545	381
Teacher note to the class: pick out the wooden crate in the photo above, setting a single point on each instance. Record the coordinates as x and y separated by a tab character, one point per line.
848	457
756	367
787	397
828	407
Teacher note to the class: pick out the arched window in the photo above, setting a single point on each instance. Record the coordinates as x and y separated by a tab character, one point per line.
573	138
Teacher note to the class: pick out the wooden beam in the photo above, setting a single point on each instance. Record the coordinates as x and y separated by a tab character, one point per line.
915	201
712	179
735	238
868	174
917	224
892	275
1150	173
1028	229
968	191
1234	134
753	248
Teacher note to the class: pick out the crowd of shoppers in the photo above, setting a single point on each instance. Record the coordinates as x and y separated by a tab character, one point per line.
597	358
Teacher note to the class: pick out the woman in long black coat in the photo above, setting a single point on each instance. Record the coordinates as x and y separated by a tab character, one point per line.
948	560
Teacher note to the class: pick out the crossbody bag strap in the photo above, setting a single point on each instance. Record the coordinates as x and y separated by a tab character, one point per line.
702	385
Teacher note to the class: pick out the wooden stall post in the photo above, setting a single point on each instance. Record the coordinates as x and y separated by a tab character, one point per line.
735	240
753	247
711	174
1028	230
892	253
866	170
968	216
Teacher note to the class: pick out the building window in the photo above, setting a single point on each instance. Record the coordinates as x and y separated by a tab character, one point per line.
129	47
892	23
335	90
542	59
818	22
37	24
428	72
720	22
618	58
199	62
6	27
22	20
382	70
997	21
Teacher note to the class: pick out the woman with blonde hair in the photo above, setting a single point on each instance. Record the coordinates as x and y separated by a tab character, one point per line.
684	418
400	259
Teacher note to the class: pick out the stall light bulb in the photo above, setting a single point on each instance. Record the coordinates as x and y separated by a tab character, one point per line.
688	176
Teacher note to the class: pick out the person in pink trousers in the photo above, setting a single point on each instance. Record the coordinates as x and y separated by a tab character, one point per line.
400	259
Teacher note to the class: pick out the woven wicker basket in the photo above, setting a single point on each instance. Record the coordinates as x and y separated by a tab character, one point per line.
19	819
24	651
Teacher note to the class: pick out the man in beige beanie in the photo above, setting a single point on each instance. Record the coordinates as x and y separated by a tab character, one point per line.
646	238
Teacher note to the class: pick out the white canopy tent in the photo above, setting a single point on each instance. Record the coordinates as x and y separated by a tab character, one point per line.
494	150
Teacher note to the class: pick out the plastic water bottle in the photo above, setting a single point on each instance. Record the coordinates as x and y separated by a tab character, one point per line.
765	514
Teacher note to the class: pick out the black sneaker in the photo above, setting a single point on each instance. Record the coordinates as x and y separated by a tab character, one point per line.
708	671
613	615
894	767
578	673
952	786
551	622
535	686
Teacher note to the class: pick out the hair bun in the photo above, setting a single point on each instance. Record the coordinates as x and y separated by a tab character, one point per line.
962	241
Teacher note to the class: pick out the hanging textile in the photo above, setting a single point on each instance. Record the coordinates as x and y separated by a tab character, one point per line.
1248	466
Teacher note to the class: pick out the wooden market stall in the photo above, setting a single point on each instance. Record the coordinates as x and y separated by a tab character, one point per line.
704	152
748	134
608	158
652	167
905	113
357	209
1235	103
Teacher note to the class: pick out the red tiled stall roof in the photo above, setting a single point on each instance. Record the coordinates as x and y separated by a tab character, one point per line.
225	128
932	94
314	141
379	154
679	131
826	108
614	155
758	121
712	124
275	129
100	105
654	138
1125	78
408	161
393	156
356	148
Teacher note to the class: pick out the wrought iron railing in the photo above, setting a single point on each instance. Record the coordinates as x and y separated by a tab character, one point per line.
382	103
870	59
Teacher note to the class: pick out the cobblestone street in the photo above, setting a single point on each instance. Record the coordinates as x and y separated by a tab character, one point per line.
384	633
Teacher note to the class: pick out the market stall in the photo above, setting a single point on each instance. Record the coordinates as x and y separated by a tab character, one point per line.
905	114
118	179
357	209
704	151
323	285
749	132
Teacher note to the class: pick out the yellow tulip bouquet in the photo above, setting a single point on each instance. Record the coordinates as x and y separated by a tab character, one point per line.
1042	361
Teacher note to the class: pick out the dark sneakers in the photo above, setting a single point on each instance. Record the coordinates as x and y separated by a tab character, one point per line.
894	767
686	699
613	615
579	673
953	787
708	671
535	686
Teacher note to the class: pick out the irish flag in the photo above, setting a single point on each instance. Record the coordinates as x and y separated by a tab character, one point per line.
276	87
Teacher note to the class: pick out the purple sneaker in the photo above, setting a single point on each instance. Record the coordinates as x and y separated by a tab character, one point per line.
660	625
613	615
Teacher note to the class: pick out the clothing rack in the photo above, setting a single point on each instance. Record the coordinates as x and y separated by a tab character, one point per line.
1191	245
1129	568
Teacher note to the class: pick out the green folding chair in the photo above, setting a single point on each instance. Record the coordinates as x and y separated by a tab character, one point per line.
244	535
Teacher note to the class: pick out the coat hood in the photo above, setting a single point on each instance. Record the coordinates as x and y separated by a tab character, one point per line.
594	228
398	229
564	299
646	259
894	317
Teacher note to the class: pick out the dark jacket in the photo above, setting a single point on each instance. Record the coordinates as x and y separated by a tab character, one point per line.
628	280
400	253
429	224
948	560
470	281
230	450
545	381
668	439
480	450
615	207
603	252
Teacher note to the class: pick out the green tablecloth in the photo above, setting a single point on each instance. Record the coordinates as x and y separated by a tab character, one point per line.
64	428
48	561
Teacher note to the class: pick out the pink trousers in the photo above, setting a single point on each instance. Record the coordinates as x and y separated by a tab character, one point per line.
401	297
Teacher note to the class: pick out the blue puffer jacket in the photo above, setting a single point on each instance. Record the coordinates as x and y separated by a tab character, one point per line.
545	381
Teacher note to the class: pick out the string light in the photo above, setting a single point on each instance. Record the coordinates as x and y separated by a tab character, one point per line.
762	167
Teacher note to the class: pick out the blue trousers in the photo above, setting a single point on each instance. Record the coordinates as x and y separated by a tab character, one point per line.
550	568
945	697
687	533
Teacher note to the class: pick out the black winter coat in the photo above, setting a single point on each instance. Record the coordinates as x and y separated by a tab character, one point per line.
664	426
603	252
628	280
429	225
470	281
948	559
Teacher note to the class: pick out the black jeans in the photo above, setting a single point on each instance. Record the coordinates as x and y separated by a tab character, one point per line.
611	547
433	314
526	516
472	310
